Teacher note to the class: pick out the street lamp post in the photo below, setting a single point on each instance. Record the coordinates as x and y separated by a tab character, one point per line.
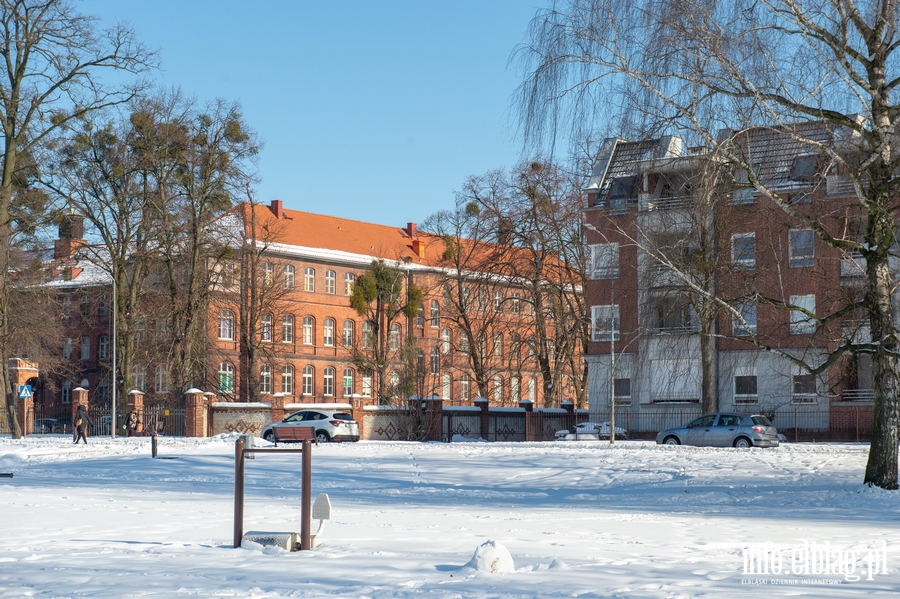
115	310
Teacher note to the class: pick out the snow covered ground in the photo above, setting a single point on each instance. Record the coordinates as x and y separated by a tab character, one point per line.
578	519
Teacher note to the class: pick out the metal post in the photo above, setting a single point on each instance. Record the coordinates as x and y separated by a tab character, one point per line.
305	495
115	379
239	492
153	446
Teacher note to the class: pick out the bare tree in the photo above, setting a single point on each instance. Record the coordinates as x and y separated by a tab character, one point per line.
702	67
54	57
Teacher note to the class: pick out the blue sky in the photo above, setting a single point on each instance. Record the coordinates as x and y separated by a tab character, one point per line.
370	110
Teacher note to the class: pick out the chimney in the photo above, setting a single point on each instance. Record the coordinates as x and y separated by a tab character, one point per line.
505	231
411	230
71	233
277	209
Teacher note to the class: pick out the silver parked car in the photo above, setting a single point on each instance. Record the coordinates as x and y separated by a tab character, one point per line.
723	429
328	425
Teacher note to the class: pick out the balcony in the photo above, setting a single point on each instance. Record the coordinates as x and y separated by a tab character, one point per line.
858	395
653	204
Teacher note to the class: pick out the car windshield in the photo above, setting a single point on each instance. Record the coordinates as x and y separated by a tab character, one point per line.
343	416
761	420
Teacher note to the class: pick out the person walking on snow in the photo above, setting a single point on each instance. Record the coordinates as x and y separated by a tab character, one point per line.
81	424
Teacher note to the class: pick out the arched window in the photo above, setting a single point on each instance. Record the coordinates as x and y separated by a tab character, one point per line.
268	270
85	348
394	337
532	390
514	304
287	329
288	276
498	389
446	386
328	333
435	360
394	381
139	377
308	324
367	335
225	378
463	341
435	314
287	379
265	378
445	341
514	390
348	382
161	379
349	279
498	301
309	279
103	347
67	349
348	333
226	325
66	391
464	387
328	382
367	384
330	282
498	346
265	328
420	317
420	361
307	380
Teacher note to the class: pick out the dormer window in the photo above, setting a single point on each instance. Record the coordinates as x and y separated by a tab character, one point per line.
805	168
623	187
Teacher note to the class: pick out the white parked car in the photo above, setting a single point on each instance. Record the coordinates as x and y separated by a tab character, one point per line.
590	431
327	425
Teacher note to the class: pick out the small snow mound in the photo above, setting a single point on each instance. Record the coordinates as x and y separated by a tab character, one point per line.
460	439
492	557
558	565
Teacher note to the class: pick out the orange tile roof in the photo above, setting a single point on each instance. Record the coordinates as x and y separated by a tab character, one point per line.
310	230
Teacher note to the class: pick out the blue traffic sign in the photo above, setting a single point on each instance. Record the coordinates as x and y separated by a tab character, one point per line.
25	392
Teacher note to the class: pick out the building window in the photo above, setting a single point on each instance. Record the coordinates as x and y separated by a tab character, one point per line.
394	337
514	388
803	321
622	391
498	301
445	341
225	378
435	361
348	333
287	329
67	349
348	382
162	380
288	276
805	168
287	380
395	381
309	280
498	346
743	320
605	323
328	333
66	391
265	328
268	274
532	390
102	347
139	377
308	329
103	305
420	317
604	261
307	380
349	279
85	305
226	325
463	341
804	388
622	189
367	384
464	387
330	282
672	314
745	388
367	335
745	192
446	386
498	389
328	382
265	378
801	248
420	361
435	314
514	304
67	305
85	349
743	250
228	277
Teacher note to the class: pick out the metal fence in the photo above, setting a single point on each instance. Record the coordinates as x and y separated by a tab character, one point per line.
58	420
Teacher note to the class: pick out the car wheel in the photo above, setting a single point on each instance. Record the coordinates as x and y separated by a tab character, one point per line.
672	440
743	443
269	436
322	437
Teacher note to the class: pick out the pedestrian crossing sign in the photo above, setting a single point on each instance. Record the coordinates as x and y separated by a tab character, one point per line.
25	392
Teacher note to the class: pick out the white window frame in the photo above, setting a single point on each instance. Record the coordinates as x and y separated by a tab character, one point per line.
287	328
795	259
330	282
604	259
745	371
328	382
608	316
288	276
265	378
739	255
309	279
287	379
801	324
743	325
328	332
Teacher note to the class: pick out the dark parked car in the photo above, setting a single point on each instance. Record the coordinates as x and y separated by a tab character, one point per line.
53	425
723	429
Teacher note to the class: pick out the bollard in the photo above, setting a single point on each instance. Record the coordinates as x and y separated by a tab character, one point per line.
153	446
249	444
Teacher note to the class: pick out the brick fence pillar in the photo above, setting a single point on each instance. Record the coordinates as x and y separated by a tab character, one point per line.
196	413
20	371
485	417
529	418
434	417
277	401
136	403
